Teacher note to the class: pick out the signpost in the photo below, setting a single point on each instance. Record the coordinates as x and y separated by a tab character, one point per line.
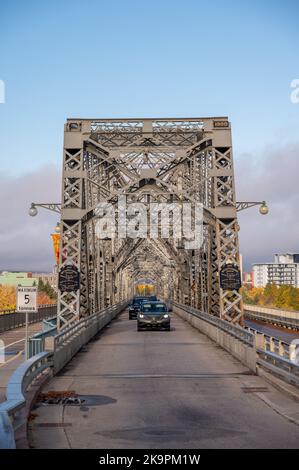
26	302
230	277
69	279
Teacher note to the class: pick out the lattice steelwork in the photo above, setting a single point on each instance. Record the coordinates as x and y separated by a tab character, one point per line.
148	160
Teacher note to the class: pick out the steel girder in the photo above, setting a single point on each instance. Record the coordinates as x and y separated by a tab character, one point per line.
148	160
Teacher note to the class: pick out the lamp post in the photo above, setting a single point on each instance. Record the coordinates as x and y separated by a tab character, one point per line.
52	206
264	209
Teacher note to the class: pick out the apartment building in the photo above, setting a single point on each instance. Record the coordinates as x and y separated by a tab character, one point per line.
284	270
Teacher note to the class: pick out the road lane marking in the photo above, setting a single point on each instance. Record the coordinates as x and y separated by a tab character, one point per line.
11	344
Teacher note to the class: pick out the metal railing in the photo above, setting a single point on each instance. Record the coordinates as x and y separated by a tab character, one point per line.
12	319
37	342
271	344
49	323
279	366
237	332
276	316
12	414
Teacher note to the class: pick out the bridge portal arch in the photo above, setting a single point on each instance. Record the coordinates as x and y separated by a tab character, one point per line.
148	161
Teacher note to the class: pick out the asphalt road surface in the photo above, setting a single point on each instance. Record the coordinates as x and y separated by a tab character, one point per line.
173	389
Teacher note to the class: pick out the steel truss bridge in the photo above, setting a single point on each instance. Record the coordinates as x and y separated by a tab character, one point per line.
153	393
148	161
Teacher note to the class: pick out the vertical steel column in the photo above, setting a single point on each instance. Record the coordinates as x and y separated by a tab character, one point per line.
73	236
224	208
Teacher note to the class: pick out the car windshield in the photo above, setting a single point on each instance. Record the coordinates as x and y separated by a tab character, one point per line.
153	308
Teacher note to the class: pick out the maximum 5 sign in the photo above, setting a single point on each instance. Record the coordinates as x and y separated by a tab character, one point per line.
27	299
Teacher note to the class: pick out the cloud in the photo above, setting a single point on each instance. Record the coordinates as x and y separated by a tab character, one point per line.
272	175
25	242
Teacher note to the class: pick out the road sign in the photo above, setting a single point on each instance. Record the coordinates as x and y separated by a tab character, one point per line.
26	299
69	279
230	277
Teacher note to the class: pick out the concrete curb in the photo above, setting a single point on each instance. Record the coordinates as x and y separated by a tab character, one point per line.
277	409
279	384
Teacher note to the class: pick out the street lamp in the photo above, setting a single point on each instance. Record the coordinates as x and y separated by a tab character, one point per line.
57	228
33	210
52	206
264	209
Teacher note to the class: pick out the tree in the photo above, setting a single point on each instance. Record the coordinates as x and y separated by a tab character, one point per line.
44	299
270	294
7	297
294	299
45	288
284	297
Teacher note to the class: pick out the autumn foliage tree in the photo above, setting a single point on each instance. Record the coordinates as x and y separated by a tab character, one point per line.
270	294
284	297
7	297
44	299
46	294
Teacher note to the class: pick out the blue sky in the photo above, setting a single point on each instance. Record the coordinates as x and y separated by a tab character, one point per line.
154	58
144	58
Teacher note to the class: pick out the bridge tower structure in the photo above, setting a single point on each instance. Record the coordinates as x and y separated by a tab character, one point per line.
148	161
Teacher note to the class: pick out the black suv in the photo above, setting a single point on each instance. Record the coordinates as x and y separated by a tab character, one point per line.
153	315
135	306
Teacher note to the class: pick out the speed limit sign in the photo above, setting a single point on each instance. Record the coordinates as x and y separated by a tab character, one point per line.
27	299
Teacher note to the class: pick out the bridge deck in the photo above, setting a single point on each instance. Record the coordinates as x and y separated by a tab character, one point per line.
172	389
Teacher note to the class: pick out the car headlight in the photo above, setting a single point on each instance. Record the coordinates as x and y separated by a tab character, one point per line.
166	315
141	315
